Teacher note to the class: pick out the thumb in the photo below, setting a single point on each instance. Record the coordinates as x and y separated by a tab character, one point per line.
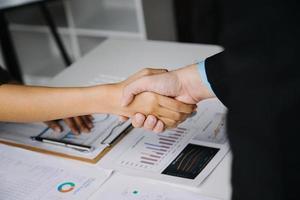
134	88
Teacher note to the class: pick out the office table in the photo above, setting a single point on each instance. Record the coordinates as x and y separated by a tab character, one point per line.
122	58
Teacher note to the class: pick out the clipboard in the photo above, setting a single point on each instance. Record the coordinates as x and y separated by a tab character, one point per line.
25	142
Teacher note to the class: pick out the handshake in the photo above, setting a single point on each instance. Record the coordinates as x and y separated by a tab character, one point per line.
150	104
157	99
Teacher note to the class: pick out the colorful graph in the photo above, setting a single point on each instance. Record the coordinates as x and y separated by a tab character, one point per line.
66	187
152	149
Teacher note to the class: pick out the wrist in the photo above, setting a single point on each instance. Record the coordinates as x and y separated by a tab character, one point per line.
192	84
105	98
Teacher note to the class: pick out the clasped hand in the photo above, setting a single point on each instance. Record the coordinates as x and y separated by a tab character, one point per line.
156	111
161	111
184	85
153	98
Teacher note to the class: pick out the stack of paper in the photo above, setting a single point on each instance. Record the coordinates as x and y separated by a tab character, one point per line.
27	175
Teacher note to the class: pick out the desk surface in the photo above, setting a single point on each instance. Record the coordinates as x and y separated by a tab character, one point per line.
124	57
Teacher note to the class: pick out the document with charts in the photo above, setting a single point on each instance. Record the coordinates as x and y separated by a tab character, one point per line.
184	155
27	175
119	188
106	128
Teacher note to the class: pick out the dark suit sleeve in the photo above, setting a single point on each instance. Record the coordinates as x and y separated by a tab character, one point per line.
4	76
216	76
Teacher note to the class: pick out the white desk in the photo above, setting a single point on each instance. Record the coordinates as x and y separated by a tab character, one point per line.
124	57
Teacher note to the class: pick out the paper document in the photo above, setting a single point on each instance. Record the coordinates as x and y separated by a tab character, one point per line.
106	128
27	175
184	155
120	188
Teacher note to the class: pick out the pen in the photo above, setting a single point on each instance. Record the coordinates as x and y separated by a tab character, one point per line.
121	135
63	143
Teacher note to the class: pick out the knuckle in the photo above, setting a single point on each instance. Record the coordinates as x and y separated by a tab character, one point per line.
152	98
173	125
146	71
169	123
151	109
177	116
190	109
163	70
183	118
177	106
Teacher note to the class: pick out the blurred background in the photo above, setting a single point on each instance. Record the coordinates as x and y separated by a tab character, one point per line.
39	38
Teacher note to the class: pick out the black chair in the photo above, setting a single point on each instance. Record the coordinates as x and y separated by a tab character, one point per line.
8	50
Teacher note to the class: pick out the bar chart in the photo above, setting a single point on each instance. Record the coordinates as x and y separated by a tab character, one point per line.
153	151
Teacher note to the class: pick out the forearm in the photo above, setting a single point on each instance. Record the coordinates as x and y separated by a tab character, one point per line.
30	104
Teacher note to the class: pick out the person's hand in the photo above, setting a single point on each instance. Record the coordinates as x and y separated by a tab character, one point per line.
142	73
173	117
149	122
161	109
184	85
82	124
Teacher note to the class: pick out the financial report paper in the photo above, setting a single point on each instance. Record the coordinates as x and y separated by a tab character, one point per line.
184	155
27	175
123	187
105	127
